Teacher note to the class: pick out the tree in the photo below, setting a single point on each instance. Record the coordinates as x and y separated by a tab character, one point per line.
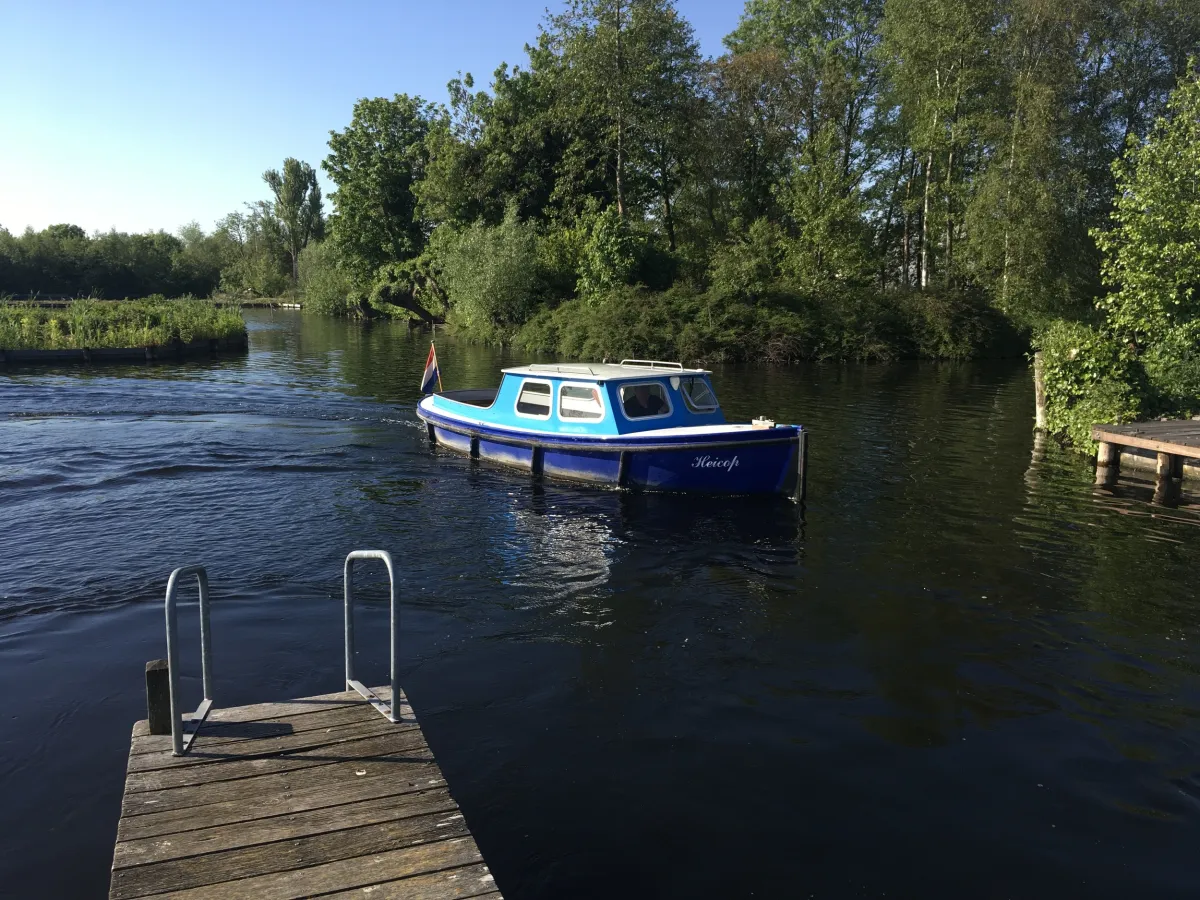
630	80
297	207
375	164
1152	254
939	64
258	254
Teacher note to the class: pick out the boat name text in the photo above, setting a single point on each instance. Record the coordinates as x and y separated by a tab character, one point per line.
713	462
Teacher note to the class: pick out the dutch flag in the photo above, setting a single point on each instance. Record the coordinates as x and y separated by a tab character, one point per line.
432	376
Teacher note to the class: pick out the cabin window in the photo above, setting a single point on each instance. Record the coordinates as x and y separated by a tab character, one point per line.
697	395
645	400
579	401
533	399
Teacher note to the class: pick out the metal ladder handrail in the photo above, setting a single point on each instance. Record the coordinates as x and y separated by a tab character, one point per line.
385	709
183	735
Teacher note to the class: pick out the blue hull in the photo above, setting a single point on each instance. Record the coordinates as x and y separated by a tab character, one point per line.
744	462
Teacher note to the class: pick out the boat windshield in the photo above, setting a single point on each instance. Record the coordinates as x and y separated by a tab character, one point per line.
645	400
697	394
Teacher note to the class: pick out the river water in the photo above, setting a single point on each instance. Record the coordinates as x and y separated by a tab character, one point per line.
966	673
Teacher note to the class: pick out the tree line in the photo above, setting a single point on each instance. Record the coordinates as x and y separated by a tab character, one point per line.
849	179
852	179
255	252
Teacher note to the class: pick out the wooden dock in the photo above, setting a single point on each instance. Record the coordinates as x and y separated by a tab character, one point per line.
1171	449
320	796
1168	446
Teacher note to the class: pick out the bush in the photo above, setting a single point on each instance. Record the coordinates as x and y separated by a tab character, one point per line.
1089	378
780	325
327	287
491	275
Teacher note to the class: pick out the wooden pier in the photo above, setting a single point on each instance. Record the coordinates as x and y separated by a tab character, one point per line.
1171	449
320	796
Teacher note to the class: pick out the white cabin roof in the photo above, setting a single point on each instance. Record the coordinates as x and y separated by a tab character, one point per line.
624	370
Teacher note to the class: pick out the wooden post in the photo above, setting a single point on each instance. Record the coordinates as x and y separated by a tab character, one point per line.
801	495
1166	467
1166	488
1108	455
158	696
1039	392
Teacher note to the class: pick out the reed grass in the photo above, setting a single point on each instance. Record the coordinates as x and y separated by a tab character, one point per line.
94	324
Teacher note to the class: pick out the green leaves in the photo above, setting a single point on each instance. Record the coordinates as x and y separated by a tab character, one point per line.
1152	253
298	207
375	162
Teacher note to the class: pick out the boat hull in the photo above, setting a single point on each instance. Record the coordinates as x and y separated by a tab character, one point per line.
747	462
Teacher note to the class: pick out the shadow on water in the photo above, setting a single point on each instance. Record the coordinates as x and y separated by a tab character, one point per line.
966	672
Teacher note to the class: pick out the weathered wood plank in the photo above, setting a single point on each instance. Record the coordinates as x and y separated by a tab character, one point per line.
221	734
451	884
1176	438
271	746
340	817
286	709
288	793
406	747
308	866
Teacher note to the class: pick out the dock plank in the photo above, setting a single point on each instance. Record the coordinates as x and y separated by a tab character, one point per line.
348	787
1178	438
386	745
464	883
316	796
259	788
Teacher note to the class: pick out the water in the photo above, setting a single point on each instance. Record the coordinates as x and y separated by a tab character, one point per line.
967	673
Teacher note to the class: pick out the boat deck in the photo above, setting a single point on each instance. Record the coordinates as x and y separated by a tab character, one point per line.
320	796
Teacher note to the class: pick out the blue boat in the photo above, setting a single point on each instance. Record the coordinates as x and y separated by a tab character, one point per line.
639	424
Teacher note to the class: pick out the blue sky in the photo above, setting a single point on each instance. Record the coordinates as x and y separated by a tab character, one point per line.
140	116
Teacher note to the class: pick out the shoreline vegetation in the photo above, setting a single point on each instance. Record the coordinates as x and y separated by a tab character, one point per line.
143	327
842	182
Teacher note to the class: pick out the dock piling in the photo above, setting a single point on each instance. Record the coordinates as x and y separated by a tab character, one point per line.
158	696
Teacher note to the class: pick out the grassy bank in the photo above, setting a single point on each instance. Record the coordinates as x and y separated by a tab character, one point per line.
93	324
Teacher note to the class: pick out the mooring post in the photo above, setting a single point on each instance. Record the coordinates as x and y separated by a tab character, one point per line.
802	468
1039	392
1165	469
1108	463
158	696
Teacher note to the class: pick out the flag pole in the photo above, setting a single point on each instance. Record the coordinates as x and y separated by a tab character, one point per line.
439	368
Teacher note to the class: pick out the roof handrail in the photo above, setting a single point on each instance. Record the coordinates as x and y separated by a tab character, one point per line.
651	364
547	367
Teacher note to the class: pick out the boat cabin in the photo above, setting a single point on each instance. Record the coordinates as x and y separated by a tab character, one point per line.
591	398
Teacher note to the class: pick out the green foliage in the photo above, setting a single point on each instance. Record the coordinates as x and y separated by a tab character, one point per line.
91	324
298	207
1089	377
327	287
747	267
1152	254
491	275
62	259
779	324
1172	367
256	260
1144	358
610	253
375	164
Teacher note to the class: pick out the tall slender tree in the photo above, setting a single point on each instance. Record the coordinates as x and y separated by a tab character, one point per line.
298	207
